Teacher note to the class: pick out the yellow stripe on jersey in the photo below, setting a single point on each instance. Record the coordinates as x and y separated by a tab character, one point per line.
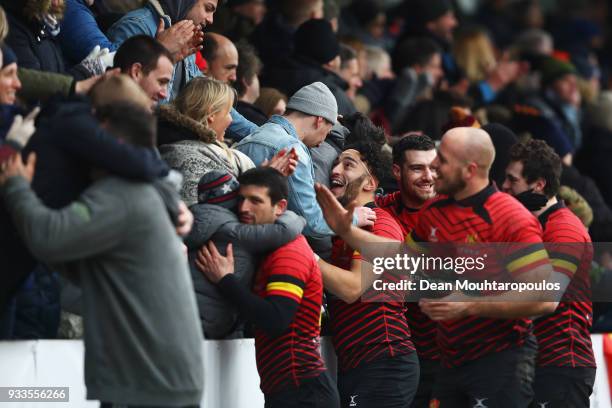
527	259
414	245
286	287
563	264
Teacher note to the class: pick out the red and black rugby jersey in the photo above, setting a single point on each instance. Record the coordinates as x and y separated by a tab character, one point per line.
564	336
285	361
422	329
366	331
491	217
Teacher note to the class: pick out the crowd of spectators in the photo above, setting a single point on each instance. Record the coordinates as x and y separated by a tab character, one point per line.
137	119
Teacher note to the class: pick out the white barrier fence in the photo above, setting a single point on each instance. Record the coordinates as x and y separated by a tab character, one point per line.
230	375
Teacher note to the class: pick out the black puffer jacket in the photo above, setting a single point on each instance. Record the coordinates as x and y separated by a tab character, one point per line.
35	46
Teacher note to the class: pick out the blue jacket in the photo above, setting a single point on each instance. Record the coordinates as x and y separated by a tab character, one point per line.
80	32
277	134
144	21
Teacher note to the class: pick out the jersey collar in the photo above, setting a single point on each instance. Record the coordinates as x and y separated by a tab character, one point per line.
543	218
478	199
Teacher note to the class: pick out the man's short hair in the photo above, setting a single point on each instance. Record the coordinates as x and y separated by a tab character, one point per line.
276	183
411	142
371	153
414	51
347	53
143	50
129	122
539	161
249	66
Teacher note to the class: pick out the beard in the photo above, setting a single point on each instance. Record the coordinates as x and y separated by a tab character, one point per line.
449	186
351	191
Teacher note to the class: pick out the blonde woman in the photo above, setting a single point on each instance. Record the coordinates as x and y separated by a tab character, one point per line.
475	54
191	133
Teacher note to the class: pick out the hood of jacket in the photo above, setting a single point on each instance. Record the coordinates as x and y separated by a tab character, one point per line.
175	127
207	220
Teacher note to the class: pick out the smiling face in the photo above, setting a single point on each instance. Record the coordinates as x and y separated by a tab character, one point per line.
449	171
202	12
154	83
9	84
220	120
349	176
416	176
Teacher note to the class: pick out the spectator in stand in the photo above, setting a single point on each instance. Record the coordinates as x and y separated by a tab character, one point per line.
191	134
238	18
331	12
286	305
112	266
148	63
316	59
594	156
436	19
554	114
271	102
475	53
80	33
33	28
216	219
247	84
418	68
273	38
378	81
365	20
160	16
349	70
14	134
221	58
310	116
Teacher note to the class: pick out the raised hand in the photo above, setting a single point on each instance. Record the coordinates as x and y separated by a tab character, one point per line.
179	39
337	217
284	162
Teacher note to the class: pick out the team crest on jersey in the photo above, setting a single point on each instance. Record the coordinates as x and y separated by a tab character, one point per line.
432	235
472	238
434	403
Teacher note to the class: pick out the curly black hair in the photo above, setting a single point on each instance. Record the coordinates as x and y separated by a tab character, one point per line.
539	161
378	164
412	141
363	129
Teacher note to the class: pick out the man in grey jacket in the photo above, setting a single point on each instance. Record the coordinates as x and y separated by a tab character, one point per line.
137	292
216	219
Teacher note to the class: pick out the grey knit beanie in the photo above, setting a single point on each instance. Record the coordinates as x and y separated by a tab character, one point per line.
316	100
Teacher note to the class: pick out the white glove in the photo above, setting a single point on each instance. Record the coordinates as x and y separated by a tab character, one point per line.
98	60
22	129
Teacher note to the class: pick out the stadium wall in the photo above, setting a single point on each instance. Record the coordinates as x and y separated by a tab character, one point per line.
230	375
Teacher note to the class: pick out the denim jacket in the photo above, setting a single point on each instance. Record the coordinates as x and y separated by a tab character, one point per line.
144	21
277	134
